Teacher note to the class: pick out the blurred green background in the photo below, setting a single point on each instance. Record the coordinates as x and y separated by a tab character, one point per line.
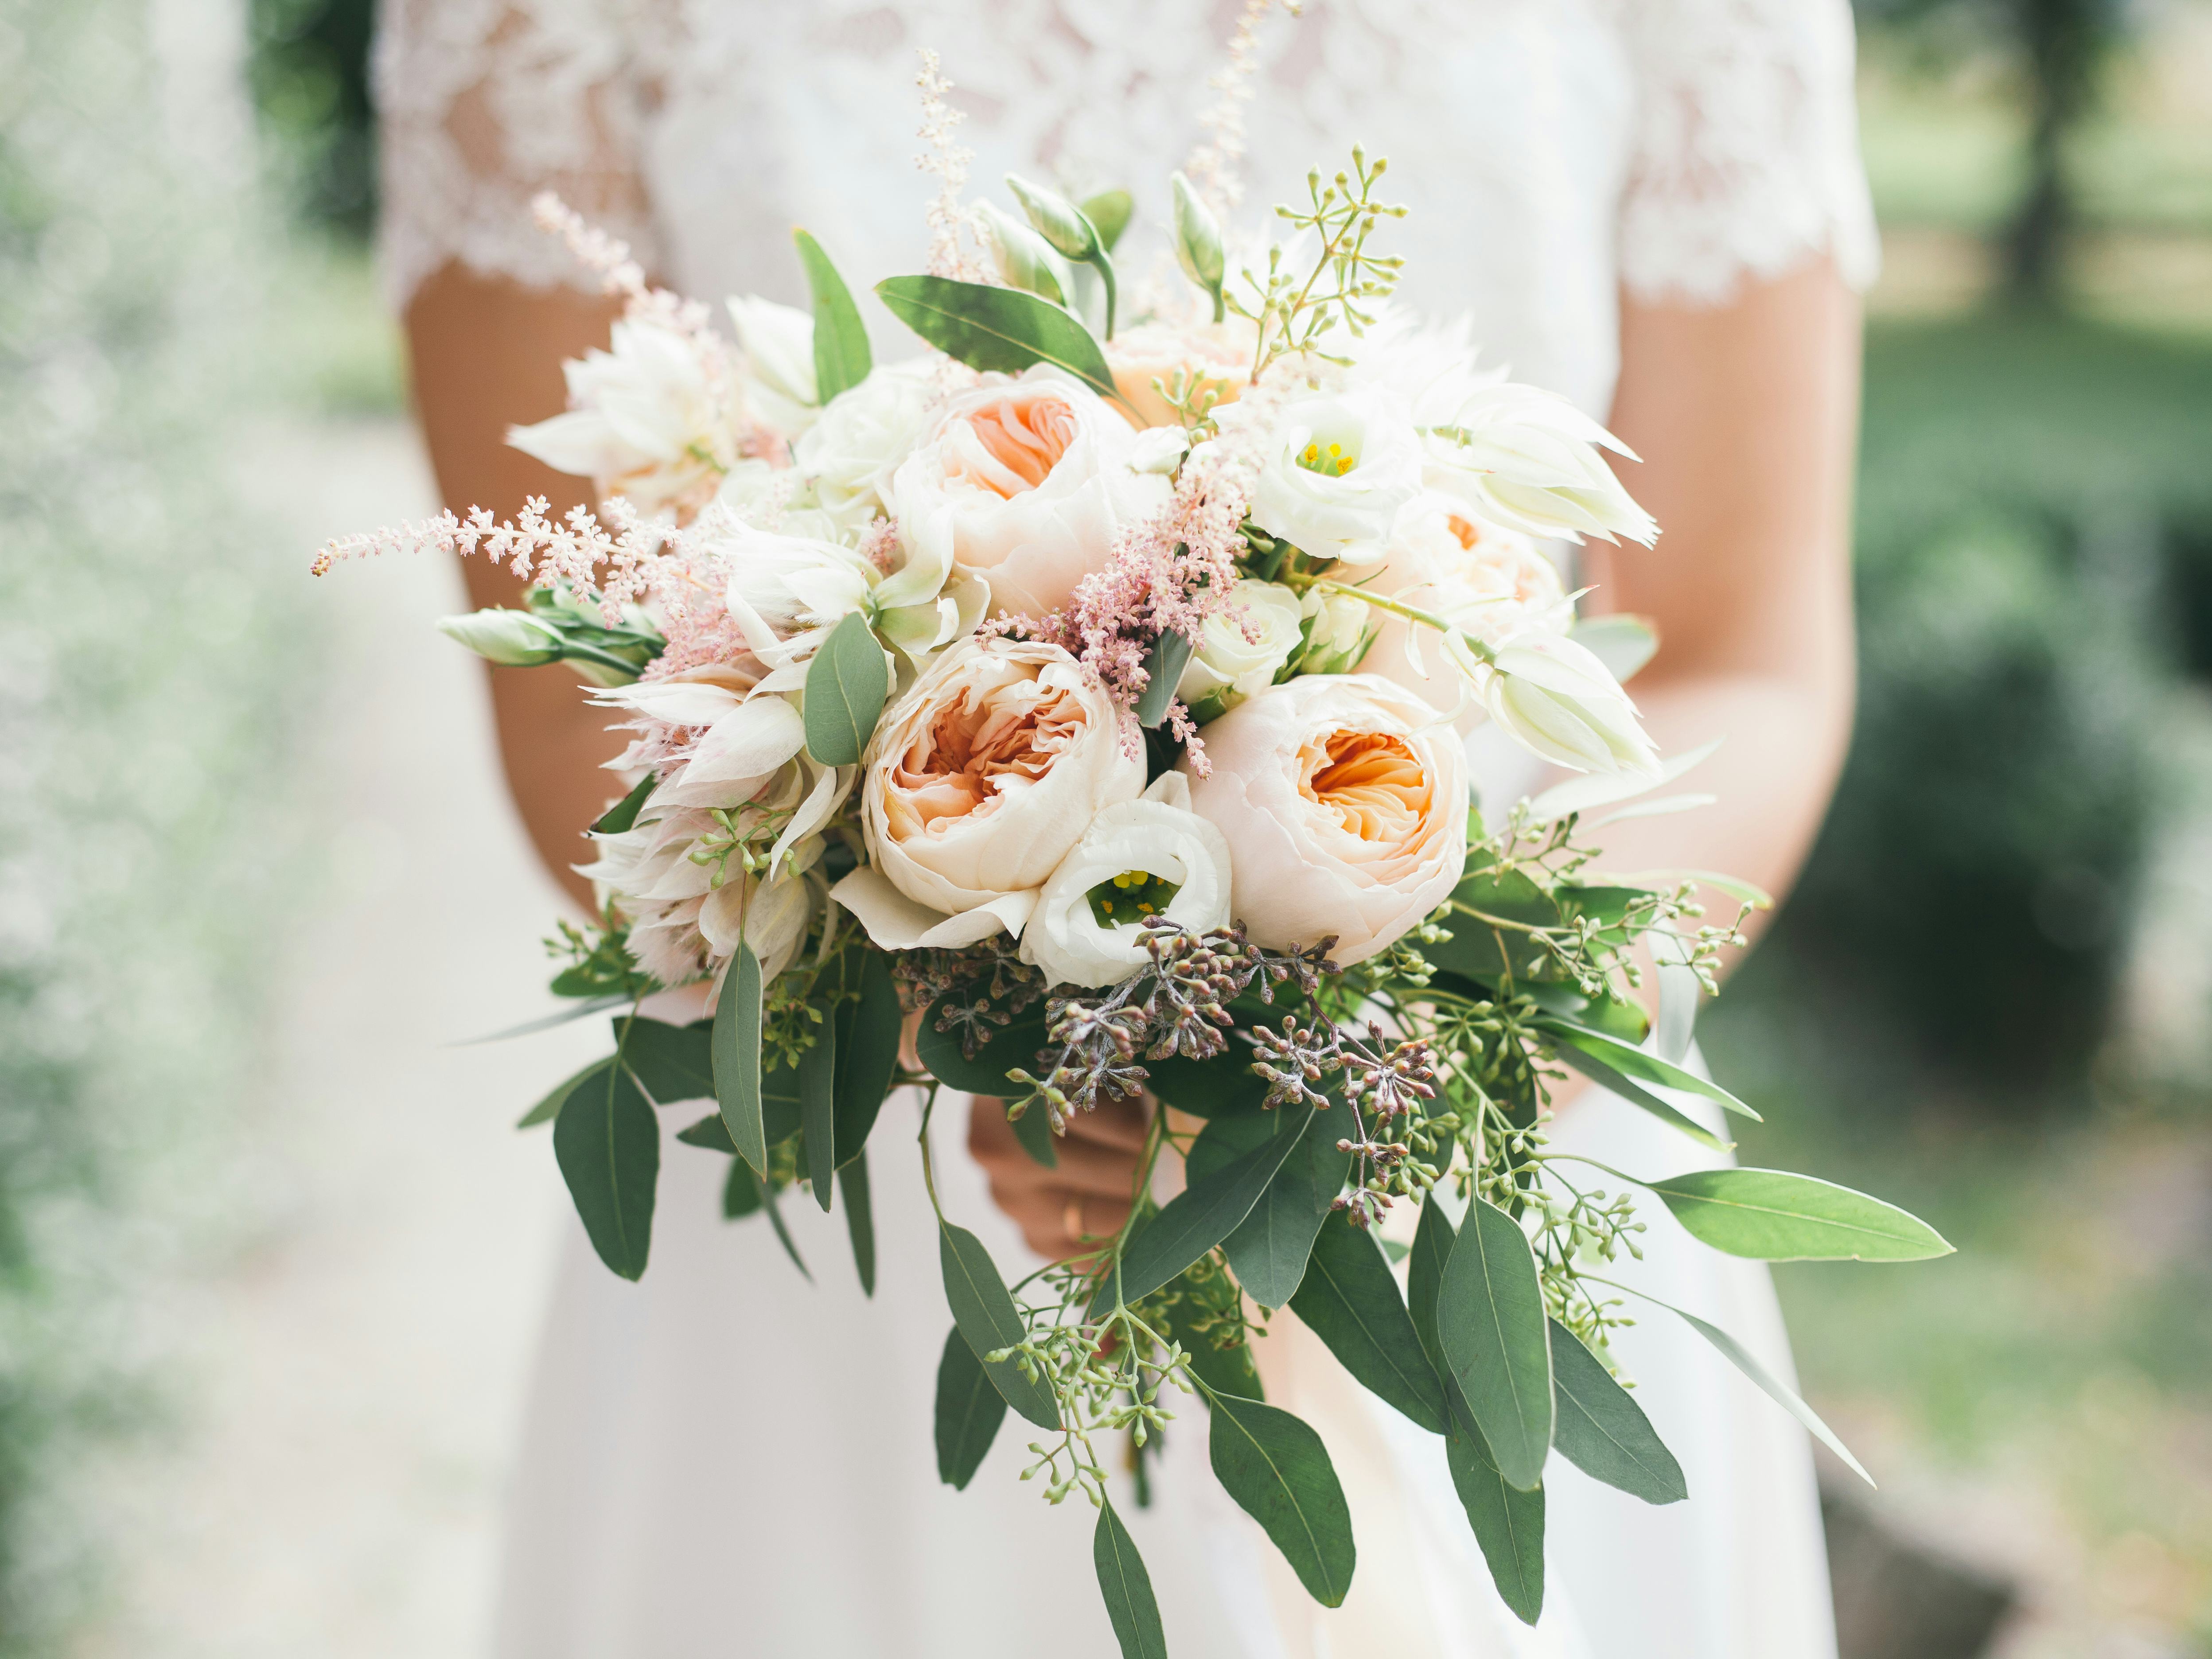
1991	999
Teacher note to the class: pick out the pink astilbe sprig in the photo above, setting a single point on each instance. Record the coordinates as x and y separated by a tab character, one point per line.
1216	166
949	216
608	256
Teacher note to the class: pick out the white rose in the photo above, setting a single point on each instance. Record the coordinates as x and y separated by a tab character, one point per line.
1495	583
778	342
1242	646
1035	474
1150	856
1528	460
1344	802
1337	470
977	783
849	455
640	421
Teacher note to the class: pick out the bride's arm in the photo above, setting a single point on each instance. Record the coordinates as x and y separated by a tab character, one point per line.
486	354
1745	416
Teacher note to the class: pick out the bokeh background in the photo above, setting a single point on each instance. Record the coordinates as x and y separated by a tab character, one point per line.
270	1258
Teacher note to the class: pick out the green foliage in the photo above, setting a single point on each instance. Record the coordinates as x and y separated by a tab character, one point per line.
1601	1429
737	1057
996	328
1279	1472
1771	1215
599	962
1204	1212
868	1040
1508	1522
846	686
608	1143
1350	1300
859	1219
1127	1588
841	356
986	1315
969	1409
1489	1319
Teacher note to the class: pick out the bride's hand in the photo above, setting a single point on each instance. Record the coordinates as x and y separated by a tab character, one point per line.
1086	1196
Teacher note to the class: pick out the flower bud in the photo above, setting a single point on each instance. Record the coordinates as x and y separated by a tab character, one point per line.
1338	629
1197	239
509	639
1557	699
1059	220
1025	260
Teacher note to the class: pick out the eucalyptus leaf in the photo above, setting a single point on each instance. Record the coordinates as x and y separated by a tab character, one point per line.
846	684
1634	1092
710	1132
775	1220
841	357
1632	1061
1433	1238
1164	665
1130	1605
674	1062
987	1316
1033	1128
968	1411
608	1144
1774	1388
867	1055
1507	1523
741	1189
860	1220
1490	1317
818	1106
1108	212
549	1107
997	328
1602	1432
1009	1046
1223	1086
1771	1215
1350	1300
736	1051
1491	915
1201	1215
1279	1472
1268	1250
624	813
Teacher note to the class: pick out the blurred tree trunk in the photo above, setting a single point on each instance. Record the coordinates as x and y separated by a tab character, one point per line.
2063	45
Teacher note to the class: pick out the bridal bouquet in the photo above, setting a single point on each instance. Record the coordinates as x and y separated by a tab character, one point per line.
1086	694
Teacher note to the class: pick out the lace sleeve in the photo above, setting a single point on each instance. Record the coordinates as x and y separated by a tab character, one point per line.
484	103
1746	158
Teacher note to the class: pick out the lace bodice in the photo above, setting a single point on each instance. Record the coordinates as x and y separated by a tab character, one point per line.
1551	149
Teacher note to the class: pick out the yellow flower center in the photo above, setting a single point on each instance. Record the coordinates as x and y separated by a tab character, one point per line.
1330	463
1130	896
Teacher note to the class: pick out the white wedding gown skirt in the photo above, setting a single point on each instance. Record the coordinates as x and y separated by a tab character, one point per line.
724	1459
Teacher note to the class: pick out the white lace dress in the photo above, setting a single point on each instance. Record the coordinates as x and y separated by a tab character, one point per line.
727	1460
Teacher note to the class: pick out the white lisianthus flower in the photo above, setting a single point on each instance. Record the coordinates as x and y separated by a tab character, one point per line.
1240	647
1035	476
1528	460
778	342
976	785
1495	583
1337	473
849	454
1153	856
1559	701
640	421
1344	801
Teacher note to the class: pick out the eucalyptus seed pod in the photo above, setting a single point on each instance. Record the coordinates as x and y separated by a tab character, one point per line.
1024	258
1197	239
1059	220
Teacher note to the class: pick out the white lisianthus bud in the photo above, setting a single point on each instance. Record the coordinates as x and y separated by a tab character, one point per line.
1062	223
1158	449
1339	631
1149	857
1241	648
1559	700
1197	242
1024	258
510	639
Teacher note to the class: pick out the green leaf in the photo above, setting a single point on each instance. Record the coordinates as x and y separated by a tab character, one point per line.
1775	1388
987	1316
1223	1086
1164	662
741	1191
709	1131
1507	1523
1033	1128
1350	1299
549	1107
1625	1020
1014	1045
846	686
1771	1215
1127	1588
1633	1062
736	1050
1201	1215
1108	212
996	328
1268	1250
1226	1371
867	1056
775	1220
608	1143
673	1062
860	1220
1485	945
841	357
969	1413
1490	1316
624	813
818	1107
1636	1094
1277	1469
1603	1431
